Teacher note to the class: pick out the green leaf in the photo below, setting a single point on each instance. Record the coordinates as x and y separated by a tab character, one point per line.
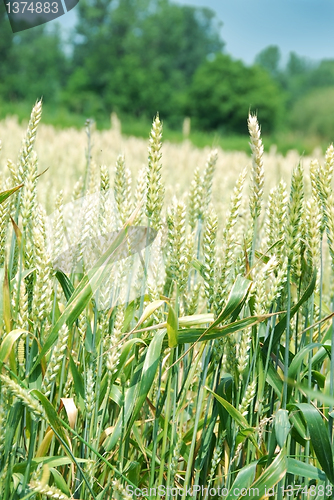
243	435
266	257
77	379
58	427
243	480
190	335
151	363
65	283
282	426
208	440
298	468
236	298
281	325
149	309
298	425
294	367
5	194
126	348
6	301
198	266
172	326
268	479
235	302
129	314
324	351
116	395
319	378
60	481
13	420
52	416
324	398
196	319
319	438
235	414
17	232
139	386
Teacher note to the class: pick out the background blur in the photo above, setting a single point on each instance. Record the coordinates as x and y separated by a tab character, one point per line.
210	63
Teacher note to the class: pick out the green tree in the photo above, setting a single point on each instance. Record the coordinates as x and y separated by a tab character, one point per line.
296	78
224	90
323	74
138	56
6	55
32	63
297	65
270	58
312	114
40	64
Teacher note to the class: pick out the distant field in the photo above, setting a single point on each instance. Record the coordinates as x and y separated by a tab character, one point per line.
61	118
63	152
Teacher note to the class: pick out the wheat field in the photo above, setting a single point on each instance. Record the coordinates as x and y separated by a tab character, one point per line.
166	317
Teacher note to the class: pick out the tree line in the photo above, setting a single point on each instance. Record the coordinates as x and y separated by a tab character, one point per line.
137	57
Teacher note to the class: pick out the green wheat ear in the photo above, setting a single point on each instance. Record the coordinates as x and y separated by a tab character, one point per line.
28	142
122	189
294	220
209	250
257	176
155	189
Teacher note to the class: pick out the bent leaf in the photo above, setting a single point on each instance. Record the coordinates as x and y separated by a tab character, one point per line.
8	342
268	479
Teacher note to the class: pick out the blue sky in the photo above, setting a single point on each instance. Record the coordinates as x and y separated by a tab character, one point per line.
303	26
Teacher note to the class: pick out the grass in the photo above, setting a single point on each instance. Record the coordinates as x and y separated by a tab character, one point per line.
147	344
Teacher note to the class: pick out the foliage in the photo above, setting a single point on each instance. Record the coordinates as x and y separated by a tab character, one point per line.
270	58
133	58
223	90
138	56
32	63
39	67
313	113
307	87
